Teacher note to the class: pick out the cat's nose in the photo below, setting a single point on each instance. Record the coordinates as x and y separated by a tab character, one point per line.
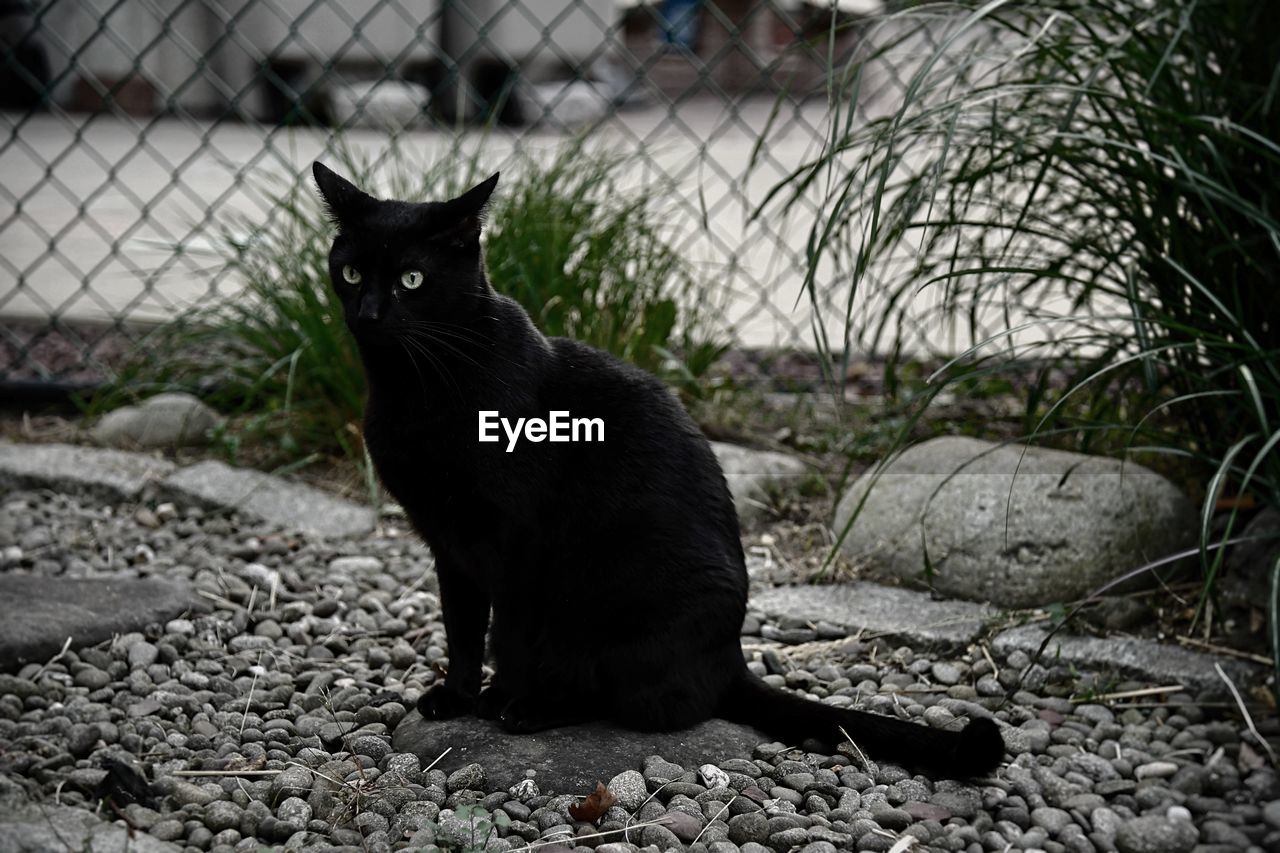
370	308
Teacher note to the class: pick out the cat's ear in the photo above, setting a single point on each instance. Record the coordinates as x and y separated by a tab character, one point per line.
460	219
467	210
474	200
343	199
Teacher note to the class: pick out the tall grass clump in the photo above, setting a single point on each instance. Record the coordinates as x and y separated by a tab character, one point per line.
275	354
1090	186
591	260
586	257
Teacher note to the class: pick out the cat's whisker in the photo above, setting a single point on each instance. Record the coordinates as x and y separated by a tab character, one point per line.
461	333
422	380
422	338
410	346
482	367
442	369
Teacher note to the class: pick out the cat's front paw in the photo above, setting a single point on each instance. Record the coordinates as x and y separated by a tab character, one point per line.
443	702
521	717
492	702
513	721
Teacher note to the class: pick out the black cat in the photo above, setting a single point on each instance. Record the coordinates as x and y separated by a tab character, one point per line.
613	569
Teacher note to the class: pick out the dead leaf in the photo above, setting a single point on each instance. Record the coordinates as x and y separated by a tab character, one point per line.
592	807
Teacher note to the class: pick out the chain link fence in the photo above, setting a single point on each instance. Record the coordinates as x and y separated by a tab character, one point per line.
133	127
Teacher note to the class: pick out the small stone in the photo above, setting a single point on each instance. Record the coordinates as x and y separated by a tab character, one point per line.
1154	834
355	565
629	790
375	747
657	769
927	811
294	810
181	627
1050	819
168	830
946	673
713	777
222	815
292	781
749	827
1096	713
370	822
683	826
891	818
819	847
524	790
1155	770
142	655
660	837
92	678
186	794
468	778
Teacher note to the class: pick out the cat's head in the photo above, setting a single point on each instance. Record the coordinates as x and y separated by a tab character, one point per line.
395	264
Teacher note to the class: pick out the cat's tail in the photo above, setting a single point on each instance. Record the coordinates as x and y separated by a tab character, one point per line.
974	750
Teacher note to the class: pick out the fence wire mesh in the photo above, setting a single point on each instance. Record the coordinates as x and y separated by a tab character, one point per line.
136	128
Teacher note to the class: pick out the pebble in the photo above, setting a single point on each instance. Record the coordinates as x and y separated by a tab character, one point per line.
1155	770
186	794
222	815
470	777
713	777
749	827
1050	819
92	678
1152	834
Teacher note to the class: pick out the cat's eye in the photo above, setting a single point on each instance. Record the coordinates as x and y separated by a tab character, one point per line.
350	274
411	279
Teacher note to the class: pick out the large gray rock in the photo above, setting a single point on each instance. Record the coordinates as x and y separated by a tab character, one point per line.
165	420
111	475
290	505
38	614
41	827
752	473
1131	656
1247	579
902	615
568	760
1014	526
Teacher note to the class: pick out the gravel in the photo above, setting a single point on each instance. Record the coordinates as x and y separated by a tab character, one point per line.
282	695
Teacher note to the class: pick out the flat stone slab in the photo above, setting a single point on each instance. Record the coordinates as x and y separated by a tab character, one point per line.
38	614
41	827
1159	662
751	473
111	475
568	760
268	498
900	614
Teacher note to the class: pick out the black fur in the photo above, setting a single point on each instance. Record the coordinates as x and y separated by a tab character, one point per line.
614	571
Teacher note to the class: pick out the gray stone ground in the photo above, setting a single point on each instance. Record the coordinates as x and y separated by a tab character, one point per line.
264	714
